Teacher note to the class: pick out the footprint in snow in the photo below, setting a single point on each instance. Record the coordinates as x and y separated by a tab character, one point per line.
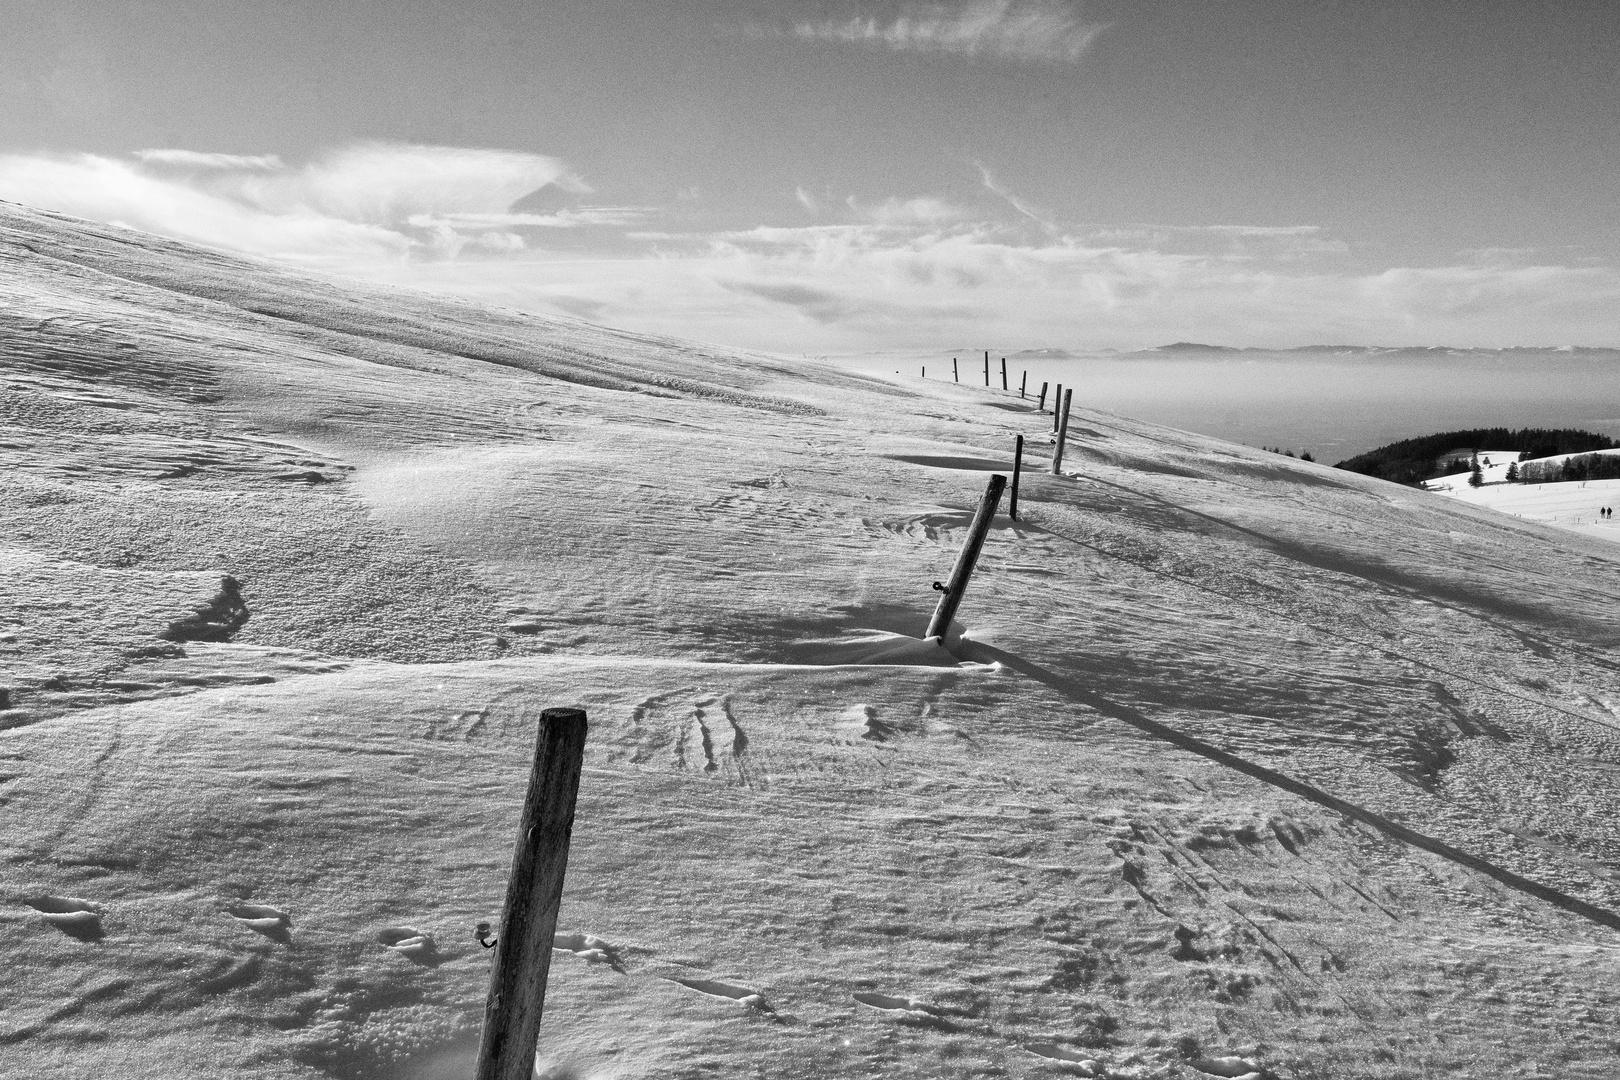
272	922
1234	1068
587	947
906	1010
409	942
742	995
1079	1062
74	917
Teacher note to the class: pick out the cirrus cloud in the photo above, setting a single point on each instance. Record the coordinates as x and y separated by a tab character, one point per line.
196	159
1026	31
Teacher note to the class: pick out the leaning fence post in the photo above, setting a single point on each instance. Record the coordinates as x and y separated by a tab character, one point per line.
954	376
1041	407
1018	467
965	559
1057	405
517	983
1063	432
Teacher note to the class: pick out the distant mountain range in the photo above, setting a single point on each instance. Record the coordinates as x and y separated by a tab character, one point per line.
1195	349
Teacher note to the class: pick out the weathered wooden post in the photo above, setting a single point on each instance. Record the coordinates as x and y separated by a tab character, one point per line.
954	376
925	371
1041	407
1018	467
1004	373
1023	384
1063	432
987	367
517	984
1057	405
965	560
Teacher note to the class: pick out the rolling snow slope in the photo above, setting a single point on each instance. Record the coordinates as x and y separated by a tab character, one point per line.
1237	762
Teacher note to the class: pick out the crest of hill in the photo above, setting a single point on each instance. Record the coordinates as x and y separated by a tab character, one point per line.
397	327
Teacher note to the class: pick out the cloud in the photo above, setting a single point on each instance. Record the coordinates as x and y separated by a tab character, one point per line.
819	304
372	201
988	180
573	218
877	273
123	193
923	210
1027	31
197	160
863	286
388	183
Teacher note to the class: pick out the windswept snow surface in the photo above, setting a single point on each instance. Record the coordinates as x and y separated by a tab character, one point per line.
1236	765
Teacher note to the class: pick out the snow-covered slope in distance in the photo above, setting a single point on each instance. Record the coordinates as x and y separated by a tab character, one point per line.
1239	760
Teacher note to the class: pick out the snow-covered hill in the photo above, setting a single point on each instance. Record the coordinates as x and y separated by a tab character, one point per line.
1238	763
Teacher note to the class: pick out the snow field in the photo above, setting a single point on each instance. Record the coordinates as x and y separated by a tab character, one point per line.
808	844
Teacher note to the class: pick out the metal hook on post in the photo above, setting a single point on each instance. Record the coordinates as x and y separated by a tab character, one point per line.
482	934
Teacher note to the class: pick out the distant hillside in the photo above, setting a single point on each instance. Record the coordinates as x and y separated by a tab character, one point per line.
1385	352
1412	460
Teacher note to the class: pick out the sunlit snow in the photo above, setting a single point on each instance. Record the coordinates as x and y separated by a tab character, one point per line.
1236	765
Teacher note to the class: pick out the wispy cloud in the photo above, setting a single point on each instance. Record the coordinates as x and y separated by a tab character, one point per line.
905	213
369	201
988	180
195	159
572	218
387	183
1027	31
124	192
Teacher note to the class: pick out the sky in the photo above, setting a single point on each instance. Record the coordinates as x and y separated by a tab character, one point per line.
847	177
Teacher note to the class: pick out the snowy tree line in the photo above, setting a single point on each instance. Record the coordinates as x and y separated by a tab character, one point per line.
1585	467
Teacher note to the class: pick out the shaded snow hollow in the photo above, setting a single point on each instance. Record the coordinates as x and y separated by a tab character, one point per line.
1236	766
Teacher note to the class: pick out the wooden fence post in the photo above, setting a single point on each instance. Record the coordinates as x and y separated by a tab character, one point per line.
1023	384
954	376
965	560
1042	406
1004	373
517	982
987	367
1063	433
1018	467
1057	405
